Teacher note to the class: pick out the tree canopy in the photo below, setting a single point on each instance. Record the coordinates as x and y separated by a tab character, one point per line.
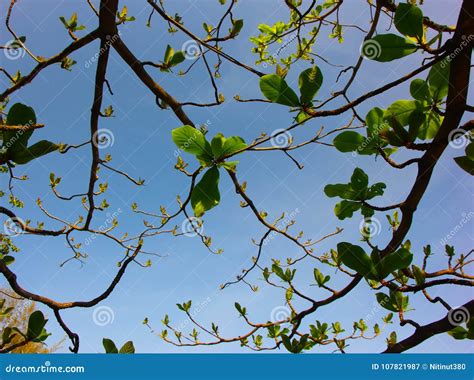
290	74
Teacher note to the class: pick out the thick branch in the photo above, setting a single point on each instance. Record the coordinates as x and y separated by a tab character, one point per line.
148	81
107	27
425	332
455	105
76	45
12	280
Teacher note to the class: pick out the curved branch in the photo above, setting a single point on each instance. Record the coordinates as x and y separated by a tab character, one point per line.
76	45
455	106
12	280
425	332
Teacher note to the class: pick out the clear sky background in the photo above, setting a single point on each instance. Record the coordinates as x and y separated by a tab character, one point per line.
142	146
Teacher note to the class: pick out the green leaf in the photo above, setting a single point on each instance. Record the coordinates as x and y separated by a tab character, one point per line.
398	300
279	272
309	82
409	21
36	324
398	135
355	258
344	191
217	144
109	345
177	58
123	13
19	114
376	329
230	165
396	260
320	278
375	122
419	89
240	309
275	89
8	260
366	212
458	333
416	120
430	127
348	141
206	194
301	117
294	346
392	138
289	294
7	335
236	27
401	111
223	147
357	189
127	348
470	328
185	306
345	209
418	274
466	164
65	23
37	150
287	342
438	79
232	145
191	140
377	126
169	52
73	20
470	151
387	47
386	302
281	71
392	339
359	180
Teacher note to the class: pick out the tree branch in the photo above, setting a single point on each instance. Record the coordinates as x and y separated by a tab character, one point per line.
425	332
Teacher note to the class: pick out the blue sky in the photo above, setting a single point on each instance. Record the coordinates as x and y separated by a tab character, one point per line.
142	146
